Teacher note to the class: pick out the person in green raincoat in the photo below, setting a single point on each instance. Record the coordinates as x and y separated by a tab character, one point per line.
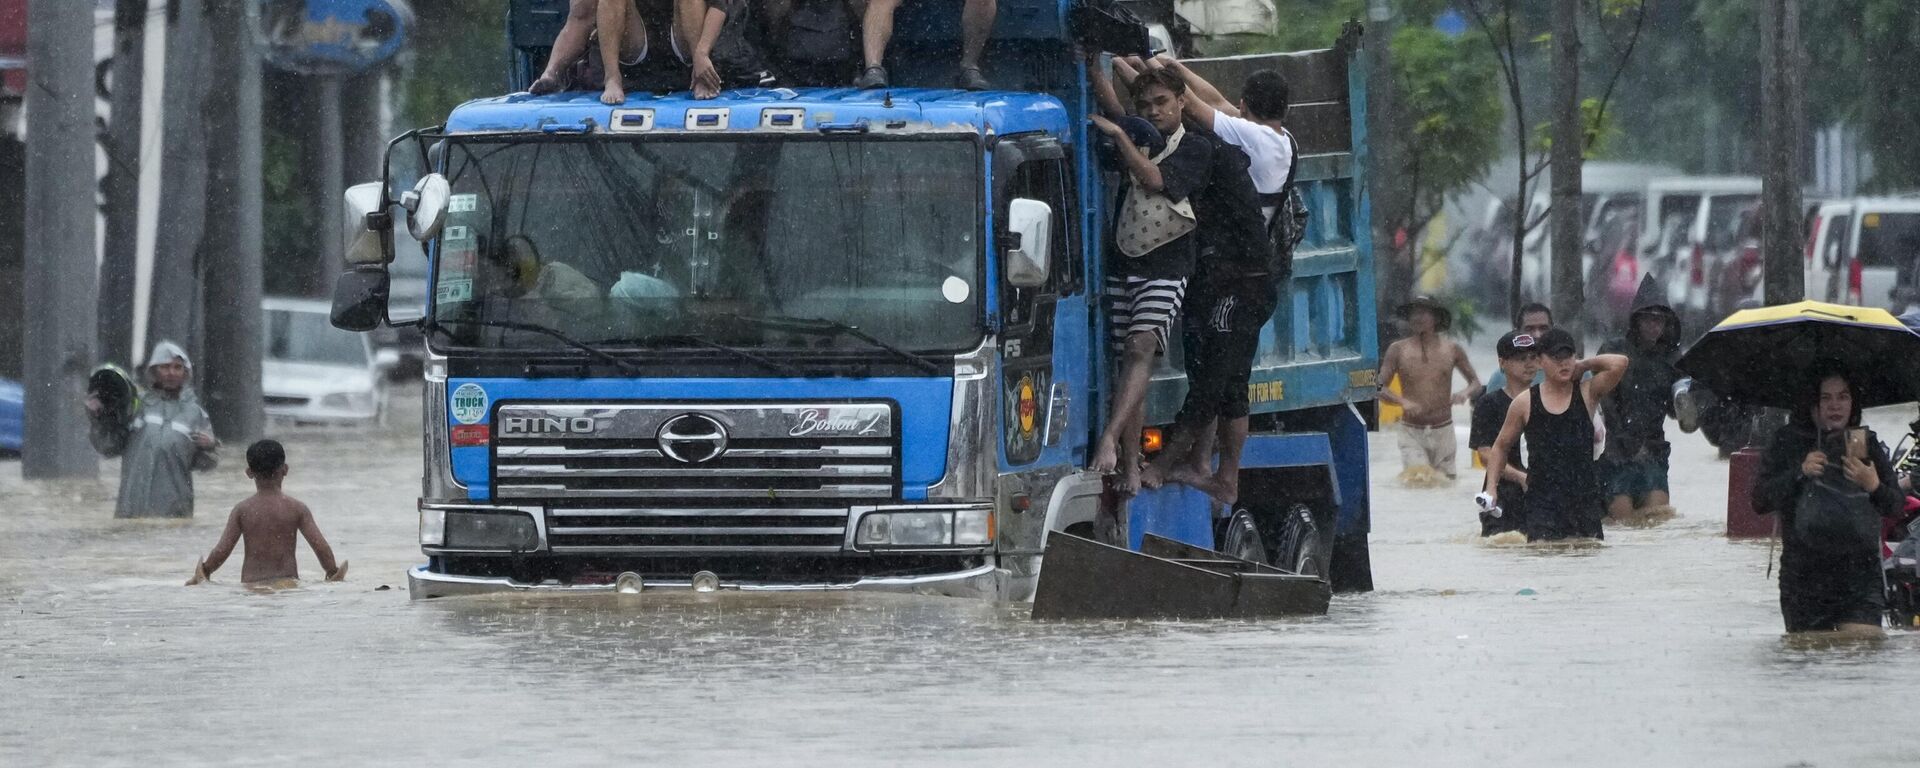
163	443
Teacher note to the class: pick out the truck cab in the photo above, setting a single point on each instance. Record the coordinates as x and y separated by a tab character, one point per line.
821	338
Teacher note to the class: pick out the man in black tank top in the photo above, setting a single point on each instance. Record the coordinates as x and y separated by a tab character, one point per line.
1556	416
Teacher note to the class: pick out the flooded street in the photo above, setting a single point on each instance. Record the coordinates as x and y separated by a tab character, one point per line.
1662	647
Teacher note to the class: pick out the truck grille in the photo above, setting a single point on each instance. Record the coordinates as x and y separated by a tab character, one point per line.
695	479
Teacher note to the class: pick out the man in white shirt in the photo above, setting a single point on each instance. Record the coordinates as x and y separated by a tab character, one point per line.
1256	125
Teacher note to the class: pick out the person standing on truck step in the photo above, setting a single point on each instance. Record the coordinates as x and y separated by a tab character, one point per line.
1556	417
1425	363
705	35
976	25
269	519
1153	251
1519	358
163	444
1241	275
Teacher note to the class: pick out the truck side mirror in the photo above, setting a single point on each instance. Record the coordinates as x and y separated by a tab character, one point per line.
366	242
360	298
1030	261
426	206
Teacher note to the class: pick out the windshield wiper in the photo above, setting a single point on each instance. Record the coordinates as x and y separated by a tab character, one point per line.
701	341
833	328
429	325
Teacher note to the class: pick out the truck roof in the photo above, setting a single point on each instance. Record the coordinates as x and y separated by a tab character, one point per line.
771	110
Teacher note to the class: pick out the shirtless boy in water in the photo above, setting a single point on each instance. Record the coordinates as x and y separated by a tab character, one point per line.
1425	363
268	520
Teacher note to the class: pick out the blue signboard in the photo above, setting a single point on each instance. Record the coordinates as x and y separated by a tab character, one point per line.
333	37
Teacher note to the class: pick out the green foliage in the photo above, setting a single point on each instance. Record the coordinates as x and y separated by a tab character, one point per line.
1449	91
458	54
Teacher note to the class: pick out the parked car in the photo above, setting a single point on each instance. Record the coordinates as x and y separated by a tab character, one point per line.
1738	271
1709	205
1864	251
12	416
314	372
1614	271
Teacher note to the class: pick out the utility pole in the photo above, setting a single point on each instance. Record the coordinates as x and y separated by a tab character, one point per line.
1783	132
59	274
121	193
326	186
174	288
1569	144
234	228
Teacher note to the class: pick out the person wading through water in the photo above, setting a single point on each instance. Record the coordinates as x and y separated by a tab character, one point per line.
1634	469
1425	363
1827	582
1556	417
163	444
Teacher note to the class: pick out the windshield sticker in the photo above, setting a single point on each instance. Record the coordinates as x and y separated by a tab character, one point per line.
457	233
469	403
460	260
956	290
455	290
463	203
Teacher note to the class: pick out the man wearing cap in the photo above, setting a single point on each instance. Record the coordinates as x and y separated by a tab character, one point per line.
1425	363
1519	360
1556	417
168	438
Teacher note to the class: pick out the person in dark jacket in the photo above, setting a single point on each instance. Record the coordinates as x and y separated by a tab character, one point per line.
1821	590
1634	468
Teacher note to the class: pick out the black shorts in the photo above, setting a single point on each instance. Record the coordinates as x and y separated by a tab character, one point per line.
1820	592
1221	335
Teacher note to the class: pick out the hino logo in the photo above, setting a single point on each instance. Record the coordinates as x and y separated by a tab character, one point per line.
547	425
691	438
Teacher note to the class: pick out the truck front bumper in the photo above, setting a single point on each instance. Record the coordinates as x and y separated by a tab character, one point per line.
984	581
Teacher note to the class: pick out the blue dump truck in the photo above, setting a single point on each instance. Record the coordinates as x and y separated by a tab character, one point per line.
823	338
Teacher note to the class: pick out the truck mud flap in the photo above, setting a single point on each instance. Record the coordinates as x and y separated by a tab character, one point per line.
1084	579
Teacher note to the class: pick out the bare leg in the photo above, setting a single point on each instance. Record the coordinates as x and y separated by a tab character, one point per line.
976	25
1224	484
1180	442
612	18
876	29
1620	507
1859	630
568	47
1129	400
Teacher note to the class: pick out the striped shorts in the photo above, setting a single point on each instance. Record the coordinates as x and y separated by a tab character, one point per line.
1142	305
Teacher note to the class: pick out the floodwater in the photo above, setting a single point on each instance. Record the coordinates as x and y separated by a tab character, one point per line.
1662	647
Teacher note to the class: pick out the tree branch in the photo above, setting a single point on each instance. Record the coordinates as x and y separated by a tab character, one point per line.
1606	96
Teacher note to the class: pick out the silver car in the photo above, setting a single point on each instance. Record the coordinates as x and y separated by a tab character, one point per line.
314	372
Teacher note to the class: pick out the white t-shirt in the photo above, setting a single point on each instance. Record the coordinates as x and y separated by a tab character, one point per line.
1271	154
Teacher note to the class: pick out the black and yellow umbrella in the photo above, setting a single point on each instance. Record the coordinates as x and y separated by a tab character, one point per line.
1768	356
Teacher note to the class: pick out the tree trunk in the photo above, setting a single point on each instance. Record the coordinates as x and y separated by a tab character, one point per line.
59	277
174	288
1784	125
1569	291
119	261
233	230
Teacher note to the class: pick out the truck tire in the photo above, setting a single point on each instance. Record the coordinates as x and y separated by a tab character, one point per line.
1301	548
1241	538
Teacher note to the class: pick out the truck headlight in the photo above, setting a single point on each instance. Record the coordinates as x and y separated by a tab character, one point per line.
433	527
489	530
926	528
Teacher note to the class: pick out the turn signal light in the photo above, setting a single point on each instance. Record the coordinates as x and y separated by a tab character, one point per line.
1152	440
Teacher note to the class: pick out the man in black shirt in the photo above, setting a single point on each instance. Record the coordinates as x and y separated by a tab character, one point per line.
1519	359
1153	251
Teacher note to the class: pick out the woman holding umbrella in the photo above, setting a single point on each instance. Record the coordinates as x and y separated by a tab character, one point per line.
1829	582
1828	479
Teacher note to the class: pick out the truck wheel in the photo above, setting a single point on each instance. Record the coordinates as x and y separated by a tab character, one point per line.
1241	538
1301	549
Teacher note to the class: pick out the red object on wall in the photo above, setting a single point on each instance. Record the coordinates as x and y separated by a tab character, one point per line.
1743	522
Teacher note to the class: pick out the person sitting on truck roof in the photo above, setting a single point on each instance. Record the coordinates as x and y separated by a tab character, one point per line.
976	25
1154	248
699	33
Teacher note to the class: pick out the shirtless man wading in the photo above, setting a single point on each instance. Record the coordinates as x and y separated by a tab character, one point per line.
1425	363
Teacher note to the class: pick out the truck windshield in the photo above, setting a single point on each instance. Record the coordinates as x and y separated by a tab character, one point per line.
623	243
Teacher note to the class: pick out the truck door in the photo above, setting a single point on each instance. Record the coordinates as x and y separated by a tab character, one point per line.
1043	348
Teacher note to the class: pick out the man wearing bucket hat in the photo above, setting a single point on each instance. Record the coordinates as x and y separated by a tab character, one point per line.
1425	362
167	438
